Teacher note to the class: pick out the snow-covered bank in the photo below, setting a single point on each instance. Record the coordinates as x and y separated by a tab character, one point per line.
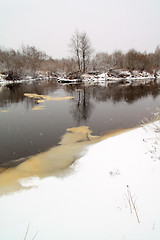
108	192
113	76
28	79
122	77
134	78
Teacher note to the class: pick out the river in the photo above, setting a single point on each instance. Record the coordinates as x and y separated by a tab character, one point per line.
31	125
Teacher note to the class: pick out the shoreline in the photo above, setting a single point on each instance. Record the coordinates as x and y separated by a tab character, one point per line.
58	160
101	79
111	192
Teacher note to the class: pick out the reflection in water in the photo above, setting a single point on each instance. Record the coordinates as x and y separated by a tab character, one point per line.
103	108
82	108
127	93
15	93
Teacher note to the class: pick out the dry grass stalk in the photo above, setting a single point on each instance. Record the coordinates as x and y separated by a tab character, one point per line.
132	203
28	231
35	235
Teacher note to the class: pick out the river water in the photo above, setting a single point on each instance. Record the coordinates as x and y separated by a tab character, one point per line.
33	124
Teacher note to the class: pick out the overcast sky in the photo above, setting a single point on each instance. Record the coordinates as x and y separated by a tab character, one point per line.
110	24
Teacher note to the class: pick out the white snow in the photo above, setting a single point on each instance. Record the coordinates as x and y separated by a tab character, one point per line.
28	79
135	78
93	201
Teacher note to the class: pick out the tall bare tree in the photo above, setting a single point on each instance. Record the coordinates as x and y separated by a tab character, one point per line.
82	50
157	58
75	48
86	51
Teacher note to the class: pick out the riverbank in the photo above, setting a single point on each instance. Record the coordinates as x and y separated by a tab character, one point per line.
113	76
108	78
4	82
112	192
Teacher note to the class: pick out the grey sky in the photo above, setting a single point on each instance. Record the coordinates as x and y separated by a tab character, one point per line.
110	24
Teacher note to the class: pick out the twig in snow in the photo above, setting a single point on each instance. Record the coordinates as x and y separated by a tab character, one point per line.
35	235
132	203
28	231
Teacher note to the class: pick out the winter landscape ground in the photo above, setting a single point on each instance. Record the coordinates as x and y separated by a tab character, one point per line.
79	120
111	192
85	186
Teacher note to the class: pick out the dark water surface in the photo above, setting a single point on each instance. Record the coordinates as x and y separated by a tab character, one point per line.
24	131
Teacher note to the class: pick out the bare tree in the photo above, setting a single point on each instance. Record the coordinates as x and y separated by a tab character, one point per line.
82	50
75	47
157	59
118	59
85	50
33	57
131	59
102	62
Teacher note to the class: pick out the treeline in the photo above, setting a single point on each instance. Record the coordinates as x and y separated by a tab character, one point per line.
132	60
18	63
29	61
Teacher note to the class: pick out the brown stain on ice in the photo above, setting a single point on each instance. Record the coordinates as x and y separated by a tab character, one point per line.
51	162
56	161
61	98
41	107
4	111
42	98
40	101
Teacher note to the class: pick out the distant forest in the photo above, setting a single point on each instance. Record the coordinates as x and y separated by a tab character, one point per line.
29	61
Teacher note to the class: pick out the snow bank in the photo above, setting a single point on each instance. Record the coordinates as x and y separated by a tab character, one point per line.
111	193
120	76
28	79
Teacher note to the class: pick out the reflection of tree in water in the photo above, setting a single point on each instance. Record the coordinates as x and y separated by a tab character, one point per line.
82	106
14	93
129	94
87	96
